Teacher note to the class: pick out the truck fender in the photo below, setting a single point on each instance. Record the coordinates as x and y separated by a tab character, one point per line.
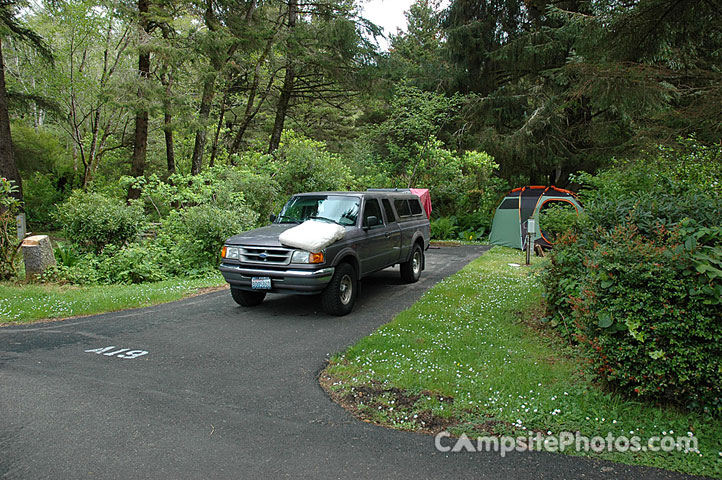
415	239
349	254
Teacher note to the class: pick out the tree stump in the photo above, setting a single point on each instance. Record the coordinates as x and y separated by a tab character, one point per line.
38	255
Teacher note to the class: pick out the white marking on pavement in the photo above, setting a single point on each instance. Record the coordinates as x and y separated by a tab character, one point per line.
125	353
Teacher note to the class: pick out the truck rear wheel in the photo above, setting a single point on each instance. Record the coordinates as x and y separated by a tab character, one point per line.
340	294
246	298
411	270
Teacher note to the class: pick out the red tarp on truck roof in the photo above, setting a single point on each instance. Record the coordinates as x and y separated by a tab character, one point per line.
425	196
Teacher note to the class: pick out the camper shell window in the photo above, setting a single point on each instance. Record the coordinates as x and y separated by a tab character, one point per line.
415	207
402	208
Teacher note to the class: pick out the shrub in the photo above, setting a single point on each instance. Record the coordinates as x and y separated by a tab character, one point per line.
557	219
638	281
260	193
304	165
92	221
188	241
472	235
194	236
85	271
9	243
650	320
40	196
134	263
137	262
222	186
443	228
66	255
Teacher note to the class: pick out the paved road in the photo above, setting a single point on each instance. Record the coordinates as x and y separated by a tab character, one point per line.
223	392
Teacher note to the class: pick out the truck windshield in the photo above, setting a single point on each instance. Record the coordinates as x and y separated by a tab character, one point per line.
331	208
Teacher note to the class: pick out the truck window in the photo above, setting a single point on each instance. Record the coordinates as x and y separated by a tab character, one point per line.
402	208
372	209
390	217
338	208
415	207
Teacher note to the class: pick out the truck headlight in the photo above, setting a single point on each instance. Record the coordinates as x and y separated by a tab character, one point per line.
230	252
302	256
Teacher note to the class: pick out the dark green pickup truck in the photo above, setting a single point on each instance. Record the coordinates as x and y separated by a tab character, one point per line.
382	229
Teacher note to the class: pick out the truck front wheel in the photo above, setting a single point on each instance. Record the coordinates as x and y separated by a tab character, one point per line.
340	294
246	298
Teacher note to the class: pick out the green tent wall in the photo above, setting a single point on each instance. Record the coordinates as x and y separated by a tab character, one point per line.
509	226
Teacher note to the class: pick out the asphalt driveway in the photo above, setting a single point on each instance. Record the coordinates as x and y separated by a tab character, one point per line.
202	388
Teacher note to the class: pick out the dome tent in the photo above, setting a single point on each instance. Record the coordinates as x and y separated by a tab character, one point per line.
509	226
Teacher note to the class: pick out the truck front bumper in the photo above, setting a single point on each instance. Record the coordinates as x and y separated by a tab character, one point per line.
282	281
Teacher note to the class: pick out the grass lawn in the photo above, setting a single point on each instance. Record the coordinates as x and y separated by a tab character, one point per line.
22	303
470	358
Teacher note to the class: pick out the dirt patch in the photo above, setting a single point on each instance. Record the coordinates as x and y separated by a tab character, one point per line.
491	427
445	243
203	291
362	399
533	319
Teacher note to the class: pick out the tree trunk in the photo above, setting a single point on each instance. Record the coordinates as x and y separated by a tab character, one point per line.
91	163
288	82
200	144
166	79
8	169
169	150
221	115
140	145
217	63
250	111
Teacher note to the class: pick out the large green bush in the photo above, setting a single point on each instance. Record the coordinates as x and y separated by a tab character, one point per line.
638	281
557	219
137	262
187	242
40	194
92	221
304	165
223	186
195	235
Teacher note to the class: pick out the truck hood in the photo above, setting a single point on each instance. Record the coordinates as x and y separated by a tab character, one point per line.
261	237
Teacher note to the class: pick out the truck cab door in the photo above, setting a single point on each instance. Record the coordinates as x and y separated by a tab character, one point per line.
375	244
393	232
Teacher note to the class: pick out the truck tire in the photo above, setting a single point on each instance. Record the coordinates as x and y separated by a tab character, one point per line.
246	298
411	270
340	294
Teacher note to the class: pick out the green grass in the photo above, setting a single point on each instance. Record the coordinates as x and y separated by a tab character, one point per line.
23	303
467	339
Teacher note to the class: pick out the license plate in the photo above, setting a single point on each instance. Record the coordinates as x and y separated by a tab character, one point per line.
261	283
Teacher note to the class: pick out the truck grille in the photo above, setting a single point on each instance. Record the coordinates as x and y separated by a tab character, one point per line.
267	256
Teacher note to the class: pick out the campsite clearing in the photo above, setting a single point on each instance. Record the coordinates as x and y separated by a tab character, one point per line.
472	357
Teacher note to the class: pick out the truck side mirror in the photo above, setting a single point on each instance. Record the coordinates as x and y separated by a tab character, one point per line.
272	218
372	221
